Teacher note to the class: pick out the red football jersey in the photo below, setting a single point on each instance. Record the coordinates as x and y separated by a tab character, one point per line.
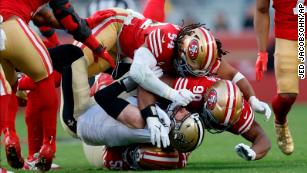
159	38
25	9
199	85
286	19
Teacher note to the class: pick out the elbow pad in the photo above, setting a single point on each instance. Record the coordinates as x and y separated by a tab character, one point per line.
70	20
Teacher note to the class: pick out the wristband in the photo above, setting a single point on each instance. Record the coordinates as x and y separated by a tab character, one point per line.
238	76
149	111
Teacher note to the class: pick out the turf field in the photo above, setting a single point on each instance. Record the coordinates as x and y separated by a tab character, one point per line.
215	155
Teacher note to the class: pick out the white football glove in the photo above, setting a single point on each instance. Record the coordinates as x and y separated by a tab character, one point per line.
260	107
245	152
181	97
158	132
164	118
157	71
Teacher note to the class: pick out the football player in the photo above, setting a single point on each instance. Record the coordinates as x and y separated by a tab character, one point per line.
222	109
33	59
286	61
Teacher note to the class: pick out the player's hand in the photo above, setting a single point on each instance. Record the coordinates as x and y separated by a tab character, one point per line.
245	152
261	65
181	97
260	107
164	118
101	52
158	133
157	71
99	17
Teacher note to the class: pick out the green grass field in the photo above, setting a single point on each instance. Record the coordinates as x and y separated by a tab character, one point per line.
215	155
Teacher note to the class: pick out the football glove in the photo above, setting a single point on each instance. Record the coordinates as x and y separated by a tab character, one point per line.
261	65
158	132
99	17
260	107
245	152
181	97
157	71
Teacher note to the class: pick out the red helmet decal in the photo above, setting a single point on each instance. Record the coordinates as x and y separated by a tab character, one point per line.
193	49
211	99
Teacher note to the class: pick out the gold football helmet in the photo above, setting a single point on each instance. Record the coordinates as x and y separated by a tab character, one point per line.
223	106
197	52
187	130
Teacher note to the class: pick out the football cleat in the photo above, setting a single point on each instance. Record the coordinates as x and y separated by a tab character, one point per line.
30	165
45	156
12	149
102	80
2	170
284	138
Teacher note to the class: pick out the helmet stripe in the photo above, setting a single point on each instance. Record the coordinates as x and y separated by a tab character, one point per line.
207	48
227	103
234	101
201	132
210	50
230	100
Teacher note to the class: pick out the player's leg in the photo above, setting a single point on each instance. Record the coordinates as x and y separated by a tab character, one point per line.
287	80
31	57
107	33
9	103
154	10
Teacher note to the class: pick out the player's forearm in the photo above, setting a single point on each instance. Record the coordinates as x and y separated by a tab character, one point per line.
145	98
246	88
260	142
45	17
262	24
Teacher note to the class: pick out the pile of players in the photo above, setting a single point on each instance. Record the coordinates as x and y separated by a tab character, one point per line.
184	86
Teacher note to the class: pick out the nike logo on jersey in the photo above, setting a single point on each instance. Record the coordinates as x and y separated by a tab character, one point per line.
161	63
163	41
245	116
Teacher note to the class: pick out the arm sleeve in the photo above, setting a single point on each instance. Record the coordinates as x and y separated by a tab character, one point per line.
141	73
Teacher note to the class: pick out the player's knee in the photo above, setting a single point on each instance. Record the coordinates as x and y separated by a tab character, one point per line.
291	96
288	98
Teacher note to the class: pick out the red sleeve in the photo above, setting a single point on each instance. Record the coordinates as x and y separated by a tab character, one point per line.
197	85
245	121
160	42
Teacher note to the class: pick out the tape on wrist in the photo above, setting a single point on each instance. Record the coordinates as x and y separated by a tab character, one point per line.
149	111
237	77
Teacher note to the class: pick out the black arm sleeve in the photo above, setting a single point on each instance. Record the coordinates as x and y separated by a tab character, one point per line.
108	99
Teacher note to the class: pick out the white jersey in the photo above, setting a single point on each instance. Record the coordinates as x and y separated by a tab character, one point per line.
96	127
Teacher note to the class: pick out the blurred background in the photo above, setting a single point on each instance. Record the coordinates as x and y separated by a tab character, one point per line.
231	21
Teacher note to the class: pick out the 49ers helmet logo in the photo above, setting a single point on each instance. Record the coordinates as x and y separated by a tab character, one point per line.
193	49
211	99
